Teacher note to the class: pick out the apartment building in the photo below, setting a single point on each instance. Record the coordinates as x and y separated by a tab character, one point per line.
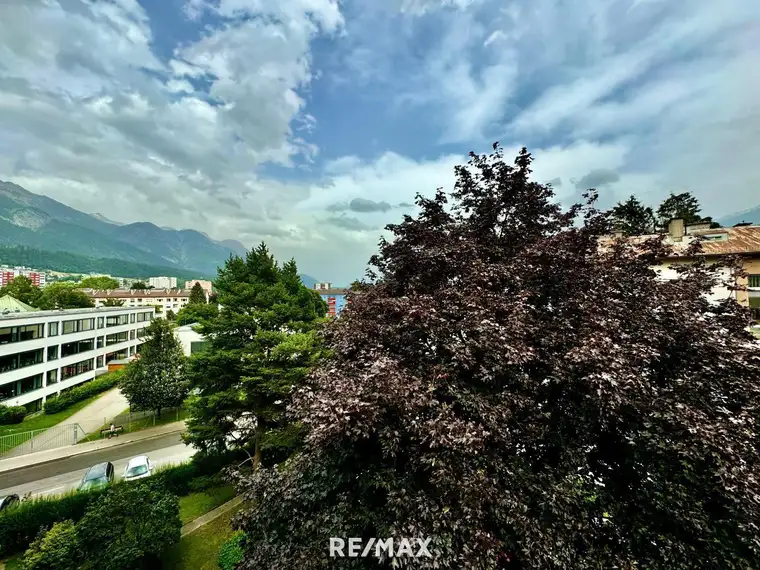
335	297
44	353
163	299
206	285
8	274
163	282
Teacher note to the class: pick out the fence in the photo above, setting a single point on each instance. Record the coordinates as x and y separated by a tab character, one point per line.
26	442
133	421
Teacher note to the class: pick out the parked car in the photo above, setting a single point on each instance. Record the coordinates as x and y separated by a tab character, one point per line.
138	468
8	501
97	476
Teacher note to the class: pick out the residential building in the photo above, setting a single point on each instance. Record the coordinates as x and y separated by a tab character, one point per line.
191	340
44	353
163	282
163	299
207	286
8	274
742	241
335	297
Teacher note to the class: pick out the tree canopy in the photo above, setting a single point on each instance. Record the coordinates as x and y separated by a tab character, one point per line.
22	289
139	285
157	379
197	295
63	295
260	346
632	218
196	313
527	398
100	282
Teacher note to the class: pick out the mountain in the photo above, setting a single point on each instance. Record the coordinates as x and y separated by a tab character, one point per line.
751	215
40	222
308	280
102	218
235	246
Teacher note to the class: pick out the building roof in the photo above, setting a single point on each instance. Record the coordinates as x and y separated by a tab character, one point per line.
332	292
99	311
742	240
135	293
13	305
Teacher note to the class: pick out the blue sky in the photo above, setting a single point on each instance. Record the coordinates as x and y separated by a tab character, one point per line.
310	124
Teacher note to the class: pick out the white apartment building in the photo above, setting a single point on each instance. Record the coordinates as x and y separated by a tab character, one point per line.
206	285
163	282
43	353
163	299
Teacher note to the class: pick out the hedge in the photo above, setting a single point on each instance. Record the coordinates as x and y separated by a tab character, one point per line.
231	551
20	525
82	392
12	414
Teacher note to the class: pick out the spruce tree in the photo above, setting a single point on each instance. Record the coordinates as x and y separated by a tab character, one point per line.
197	295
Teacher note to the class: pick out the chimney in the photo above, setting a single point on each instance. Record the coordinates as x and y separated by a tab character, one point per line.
676	229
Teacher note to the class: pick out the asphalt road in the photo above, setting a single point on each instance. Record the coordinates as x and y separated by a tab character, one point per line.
65	474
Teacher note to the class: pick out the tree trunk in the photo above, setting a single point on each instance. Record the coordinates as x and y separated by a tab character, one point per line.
158	413
257	447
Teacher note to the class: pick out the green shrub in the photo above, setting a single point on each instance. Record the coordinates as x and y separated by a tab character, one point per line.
231	552
56	549
82	392
129	527
19	526
12	414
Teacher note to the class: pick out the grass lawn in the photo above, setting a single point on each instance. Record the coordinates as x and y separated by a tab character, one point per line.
200	550
143	423
13	563
196	504
45	421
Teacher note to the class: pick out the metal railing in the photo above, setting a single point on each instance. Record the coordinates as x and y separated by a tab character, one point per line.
17	444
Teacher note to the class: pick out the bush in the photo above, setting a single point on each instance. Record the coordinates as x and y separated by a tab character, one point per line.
129	526
56	549
82	392
231	552
12	415
20	525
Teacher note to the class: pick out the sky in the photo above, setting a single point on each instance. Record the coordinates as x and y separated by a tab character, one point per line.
311	124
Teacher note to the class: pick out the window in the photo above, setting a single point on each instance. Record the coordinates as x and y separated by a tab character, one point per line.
142	333
52	377
53	329
77	369
99	362
753	281
77	347
132	318
101	341
132	334
112	339
117	320
20	387
80	325
21	334
101	322
52	352
20	360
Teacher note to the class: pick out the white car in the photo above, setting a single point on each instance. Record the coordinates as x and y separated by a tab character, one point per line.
138	468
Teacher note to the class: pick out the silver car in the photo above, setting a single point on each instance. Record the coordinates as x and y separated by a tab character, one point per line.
138	468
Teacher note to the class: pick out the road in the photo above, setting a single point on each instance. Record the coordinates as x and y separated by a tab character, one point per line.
65	474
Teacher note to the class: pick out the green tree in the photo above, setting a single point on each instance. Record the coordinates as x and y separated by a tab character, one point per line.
170	315
55	549
130	527
196	313
22	289
157	379
633	218
261	346
64	295
197	295
139	285
101	282
525	398
684	206
113	303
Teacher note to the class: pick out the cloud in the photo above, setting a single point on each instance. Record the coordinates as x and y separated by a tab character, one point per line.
597	178
349	223
555	182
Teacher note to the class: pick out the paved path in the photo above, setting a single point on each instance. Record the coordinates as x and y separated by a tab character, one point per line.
94	416
195	524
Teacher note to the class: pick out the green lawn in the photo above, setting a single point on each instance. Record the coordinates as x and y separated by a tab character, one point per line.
144	423
196	504
200	550
13	563
45	421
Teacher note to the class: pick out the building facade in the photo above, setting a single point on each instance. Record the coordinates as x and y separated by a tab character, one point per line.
163	282
206	285
335	297
191	340
43	353
38	278
162	299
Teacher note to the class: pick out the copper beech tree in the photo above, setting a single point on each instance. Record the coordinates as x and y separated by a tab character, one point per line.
525	397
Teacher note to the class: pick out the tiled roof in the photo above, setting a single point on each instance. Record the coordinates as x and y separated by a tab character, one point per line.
744	240
8	303
135	293
332	292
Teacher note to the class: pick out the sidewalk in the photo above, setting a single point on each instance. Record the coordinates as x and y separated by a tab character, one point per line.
14	463
91	418
202	520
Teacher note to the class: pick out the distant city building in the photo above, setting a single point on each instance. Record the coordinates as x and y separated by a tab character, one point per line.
335	297
163	282
191	340
43	353
8	274
207	286
163	299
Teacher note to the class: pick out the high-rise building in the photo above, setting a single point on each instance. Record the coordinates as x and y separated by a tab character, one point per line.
163	282
205	285
38	278
335	297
